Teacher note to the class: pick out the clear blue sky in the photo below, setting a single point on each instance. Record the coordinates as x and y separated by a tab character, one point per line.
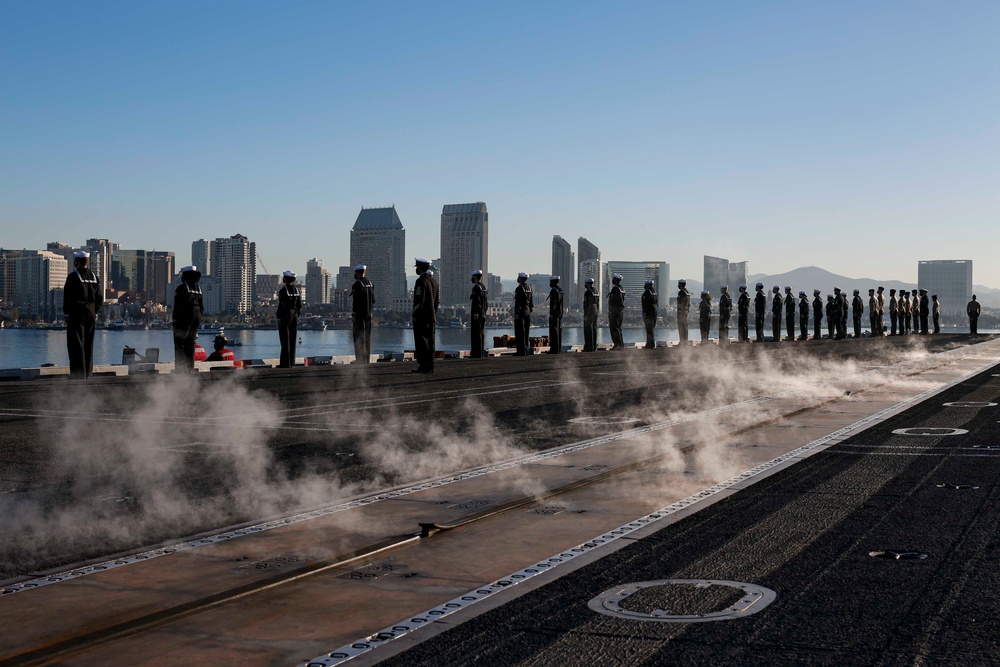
856	136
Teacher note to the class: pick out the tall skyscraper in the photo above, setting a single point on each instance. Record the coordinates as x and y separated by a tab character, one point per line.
201	256
592	268
739	274
106	250
950	279
234	264
317	283
464	248
634	276
8	276
345	277
588	252
159	275
378	240
564	266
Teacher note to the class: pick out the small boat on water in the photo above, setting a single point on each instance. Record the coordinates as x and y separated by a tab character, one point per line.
117	325
456	323
213	329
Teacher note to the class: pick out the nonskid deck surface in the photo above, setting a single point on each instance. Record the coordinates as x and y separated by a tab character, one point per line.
287	592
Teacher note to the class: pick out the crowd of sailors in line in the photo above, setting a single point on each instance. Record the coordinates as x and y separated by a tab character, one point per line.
908	314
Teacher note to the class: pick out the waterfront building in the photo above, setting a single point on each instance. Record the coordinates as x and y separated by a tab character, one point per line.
234	263
719	272
378	240
105	249
201	256
464	248
39	279
588	252
592	268
634	276
267	287
950	279
345	277
564	266
317	282
8	276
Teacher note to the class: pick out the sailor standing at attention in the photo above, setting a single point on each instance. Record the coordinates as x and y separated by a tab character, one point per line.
683	308
82	298
523	305
426	299
362	305
555	298
591	307
188	308
650	304
743	319
289	307
616	312
477	317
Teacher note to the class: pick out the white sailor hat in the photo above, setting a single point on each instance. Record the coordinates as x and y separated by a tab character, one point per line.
421	260
522	274
361	267
477	272
724	288
81	254
556	278
816	292
759	284
802	292
787	288
836	289
616	276
189	267
288	274
776	287
649	281
588	280
829	296
743	285
682	282
704	292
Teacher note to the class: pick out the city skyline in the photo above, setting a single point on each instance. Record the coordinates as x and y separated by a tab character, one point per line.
856	136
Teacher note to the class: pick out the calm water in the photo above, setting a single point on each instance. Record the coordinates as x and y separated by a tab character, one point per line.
23	348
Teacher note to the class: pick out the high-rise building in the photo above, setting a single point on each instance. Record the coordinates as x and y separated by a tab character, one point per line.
588	252
267	286
634	276
592	268
345	277
39	277
106	250
494	287
378	240
159	274
201	256
719	272
317	283
8	276
234	264
564	266
145	273
464	248
950	279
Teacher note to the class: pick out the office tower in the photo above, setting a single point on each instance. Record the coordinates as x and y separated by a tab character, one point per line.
159	274
592	268
950	279
345	277
39	279
739	273
201	256
267	286
102	268
378	240
494	287
8	276
588	252
317	283
564	266
464	248
234	264
634	276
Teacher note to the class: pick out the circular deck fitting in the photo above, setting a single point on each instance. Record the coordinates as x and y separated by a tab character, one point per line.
898	555
969	404
696	600
961	487
603	420
929	431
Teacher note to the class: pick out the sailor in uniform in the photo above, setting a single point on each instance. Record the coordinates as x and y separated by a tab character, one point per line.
523	305
477	320
426	299
83	295
555	298
189	305
650	306
362	305
616	312
591	307
289	307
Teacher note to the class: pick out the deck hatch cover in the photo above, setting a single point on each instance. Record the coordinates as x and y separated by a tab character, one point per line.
743	599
